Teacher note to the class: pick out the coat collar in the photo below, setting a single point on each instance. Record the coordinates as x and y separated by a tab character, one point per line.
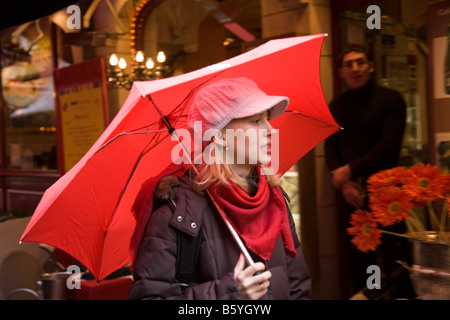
188	206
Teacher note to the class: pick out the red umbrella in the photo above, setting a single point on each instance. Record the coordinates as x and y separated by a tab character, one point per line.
87	212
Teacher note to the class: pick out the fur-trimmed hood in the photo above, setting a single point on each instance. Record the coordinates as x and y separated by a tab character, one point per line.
165	189
187	205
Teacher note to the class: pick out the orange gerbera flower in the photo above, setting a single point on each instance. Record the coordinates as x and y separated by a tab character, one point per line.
424	182
385	178
365	231
391	206
394	195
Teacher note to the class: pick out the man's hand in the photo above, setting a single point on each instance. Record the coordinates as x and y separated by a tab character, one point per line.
353	193
340	176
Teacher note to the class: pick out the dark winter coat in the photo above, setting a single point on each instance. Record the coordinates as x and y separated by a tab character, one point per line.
154	268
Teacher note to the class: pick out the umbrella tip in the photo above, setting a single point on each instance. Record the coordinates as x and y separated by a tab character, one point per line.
20	242
325	34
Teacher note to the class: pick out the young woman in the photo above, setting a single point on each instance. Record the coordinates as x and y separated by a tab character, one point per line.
233	172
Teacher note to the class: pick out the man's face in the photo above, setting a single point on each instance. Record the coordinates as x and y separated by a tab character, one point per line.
356	70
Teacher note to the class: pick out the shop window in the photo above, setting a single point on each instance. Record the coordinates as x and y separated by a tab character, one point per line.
28	102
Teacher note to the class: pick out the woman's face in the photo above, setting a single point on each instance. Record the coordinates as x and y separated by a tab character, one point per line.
249	141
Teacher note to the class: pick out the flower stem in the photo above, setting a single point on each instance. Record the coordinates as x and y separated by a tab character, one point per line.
415	220
433	218
410	226
395	234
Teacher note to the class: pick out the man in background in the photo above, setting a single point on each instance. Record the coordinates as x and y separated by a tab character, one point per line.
373	120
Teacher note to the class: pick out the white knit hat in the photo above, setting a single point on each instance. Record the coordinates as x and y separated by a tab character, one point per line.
216	104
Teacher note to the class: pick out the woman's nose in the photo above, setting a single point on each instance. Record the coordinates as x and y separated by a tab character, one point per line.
268	126
270	130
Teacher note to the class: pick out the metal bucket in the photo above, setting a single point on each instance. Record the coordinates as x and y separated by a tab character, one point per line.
53	286
430	272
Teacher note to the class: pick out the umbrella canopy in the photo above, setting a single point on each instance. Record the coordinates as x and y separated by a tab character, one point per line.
87	212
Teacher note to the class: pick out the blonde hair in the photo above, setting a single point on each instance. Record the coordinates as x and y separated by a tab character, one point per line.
215	173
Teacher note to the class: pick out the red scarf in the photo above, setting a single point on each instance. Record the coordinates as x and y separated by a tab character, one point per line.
260	219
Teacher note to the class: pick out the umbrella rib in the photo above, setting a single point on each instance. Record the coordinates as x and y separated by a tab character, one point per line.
133	170
164	119
127	134
184	101
191	93
143	153
313	118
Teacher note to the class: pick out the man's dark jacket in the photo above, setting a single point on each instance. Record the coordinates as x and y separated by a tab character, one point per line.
373	121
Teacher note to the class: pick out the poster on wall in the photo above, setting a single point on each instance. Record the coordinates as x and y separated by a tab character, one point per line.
438	29
81	109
